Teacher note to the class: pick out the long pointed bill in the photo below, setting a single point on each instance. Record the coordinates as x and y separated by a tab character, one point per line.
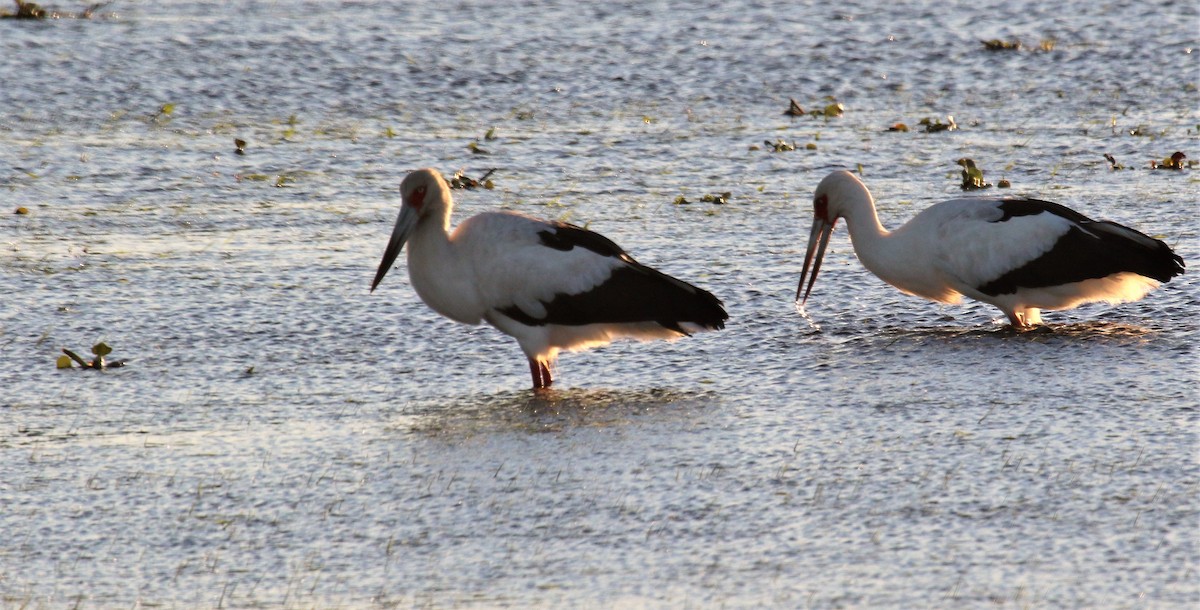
405	223
818	239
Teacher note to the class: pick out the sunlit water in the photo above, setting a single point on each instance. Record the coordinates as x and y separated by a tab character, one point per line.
282	438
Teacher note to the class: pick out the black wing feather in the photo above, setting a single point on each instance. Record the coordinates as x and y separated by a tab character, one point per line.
1089	250
633	293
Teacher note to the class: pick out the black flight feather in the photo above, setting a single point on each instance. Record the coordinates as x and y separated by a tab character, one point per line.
1089	250
633	293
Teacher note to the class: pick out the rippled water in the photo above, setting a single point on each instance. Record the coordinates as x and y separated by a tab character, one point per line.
282	438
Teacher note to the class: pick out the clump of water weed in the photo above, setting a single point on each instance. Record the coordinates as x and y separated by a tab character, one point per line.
972	177
99	350
829	110
780	145
1176	162
462	181
996	44
935	125
31	10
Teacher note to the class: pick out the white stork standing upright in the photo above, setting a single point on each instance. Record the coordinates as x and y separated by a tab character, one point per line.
1021	255
549	285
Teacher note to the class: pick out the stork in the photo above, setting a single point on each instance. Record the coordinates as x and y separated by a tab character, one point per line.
1021	255
550	285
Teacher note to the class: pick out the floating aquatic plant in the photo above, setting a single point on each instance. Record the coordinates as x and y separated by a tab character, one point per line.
779	146
972	177
936	125
462	181
30	10
163	114
99	350
1175	162
996	44
239	146
717	198
794	108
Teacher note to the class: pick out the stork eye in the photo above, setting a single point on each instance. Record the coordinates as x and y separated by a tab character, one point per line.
821	205
417	199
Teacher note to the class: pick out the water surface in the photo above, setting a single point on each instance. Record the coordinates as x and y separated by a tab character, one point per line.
283	438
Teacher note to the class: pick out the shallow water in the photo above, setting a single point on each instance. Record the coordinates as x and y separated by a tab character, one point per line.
283	438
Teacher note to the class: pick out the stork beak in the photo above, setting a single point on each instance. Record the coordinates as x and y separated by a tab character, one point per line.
817	240
405	223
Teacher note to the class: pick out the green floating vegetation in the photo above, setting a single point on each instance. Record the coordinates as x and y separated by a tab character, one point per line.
30	10
717	198
929	125
829	110
779	146
99	350
462	181
972	176
996	44
239	146
163	114
1046	45
1175	162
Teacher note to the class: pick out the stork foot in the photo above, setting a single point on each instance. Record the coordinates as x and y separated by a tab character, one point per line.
541	374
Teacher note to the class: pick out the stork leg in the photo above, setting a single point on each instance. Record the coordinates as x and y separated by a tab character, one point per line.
540	373
1033	316
1023	319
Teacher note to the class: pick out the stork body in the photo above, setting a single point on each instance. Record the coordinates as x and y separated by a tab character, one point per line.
550	285
1021	255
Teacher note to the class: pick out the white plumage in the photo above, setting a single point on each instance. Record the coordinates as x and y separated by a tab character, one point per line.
550	285
1021	255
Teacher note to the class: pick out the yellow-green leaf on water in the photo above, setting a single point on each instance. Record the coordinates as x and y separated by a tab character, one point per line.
810	146
834	110
21	210
63	362
167	109
490	135
101	349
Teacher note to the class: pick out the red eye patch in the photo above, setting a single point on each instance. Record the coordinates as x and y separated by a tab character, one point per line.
417	199
821	206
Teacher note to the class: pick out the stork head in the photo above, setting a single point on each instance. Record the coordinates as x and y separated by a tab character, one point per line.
423	194
835	193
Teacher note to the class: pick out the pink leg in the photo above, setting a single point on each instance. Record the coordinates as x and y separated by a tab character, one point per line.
540	373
